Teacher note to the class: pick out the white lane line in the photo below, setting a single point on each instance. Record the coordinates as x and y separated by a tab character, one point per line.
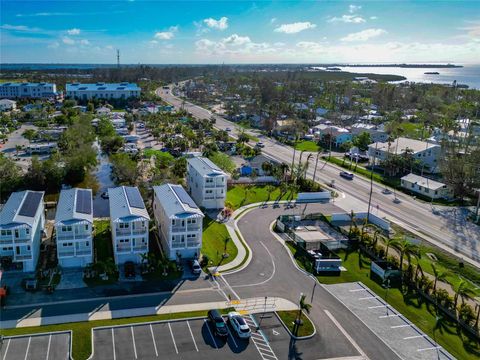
347	335
430	348
133	341
6	350
28	347
153	338
355	290
233	339
210	332
171	333
367	298
191	333
413	337
400	326
113	345
48	348
388	316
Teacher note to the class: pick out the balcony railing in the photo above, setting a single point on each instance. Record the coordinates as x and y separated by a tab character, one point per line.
23	257
123	232
6	241
22	240
176	245
73	236
123	249
193	244
142	248
139	231
66	253
84	252
179	228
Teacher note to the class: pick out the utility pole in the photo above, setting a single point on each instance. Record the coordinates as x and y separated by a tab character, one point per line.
118	59
477	215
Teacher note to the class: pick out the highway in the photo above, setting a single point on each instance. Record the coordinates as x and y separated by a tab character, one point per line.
444	227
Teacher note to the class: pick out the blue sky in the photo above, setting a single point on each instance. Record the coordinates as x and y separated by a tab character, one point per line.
152	32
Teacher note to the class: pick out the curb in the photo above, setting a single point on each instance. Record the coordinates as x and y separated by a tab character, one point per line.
298	337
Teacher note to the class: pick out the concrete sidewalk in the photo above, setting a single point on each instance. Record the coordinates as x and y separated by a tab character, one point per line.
250	305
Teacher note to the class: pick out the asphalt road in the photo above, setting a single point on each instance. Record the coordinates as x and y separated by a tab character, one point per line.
445	228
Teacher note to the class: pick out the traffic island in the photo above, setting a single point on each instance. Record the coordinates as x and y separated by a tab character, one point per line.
298	327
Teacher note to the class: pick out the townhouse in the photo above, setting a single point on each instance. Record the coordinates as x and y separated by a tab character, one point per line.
337	135
102	90
129	222
377	132
206	183
73	227
179	222
22	220
14	90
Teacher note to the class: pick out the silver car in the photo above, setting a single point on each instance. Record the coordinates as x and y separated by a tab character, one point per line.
239	324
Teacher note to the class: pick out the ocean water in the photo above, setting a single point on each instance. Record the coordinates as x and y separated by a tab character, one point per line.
467	75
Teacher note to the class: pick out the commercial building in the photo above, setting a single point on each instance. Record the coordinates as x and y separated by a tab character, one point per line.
426	187
73	227
28	90
129	221
7	105
426	153
206	183
179	222
101	90
21	229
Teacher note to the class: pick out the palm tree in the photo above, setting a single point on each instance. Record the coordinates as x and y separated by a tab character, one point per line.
352	222
302	306
438	275
316	163
405	248
462	289
389	242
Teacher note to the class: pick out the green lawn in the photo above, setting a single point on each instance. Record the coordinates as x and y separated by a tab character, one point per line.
102	241
148	153
412	306
307	145
81	342
213	244
413	130
241	195
288	317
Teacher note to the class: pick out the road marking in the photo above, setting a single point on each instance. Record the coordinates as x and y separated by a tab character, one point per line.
275	332
6	350
377	306
260	341
355	290
153	338
269	278
48	348
191	333
171	333
28	347
399	326
210	332
347	335
233	339
388	316
133	341
367	298
430	348
413	337
113	345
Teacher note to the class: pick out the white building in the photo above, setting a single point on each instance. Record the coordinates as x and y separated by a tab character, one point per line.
426	187
426	153
102	90
377	132
28	90
7	105
21	228
42	148
73	227
206	183
339	135
179	222
129	224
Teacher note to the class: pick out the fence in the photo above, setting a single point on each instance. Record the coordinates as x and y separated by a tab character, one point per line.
381	223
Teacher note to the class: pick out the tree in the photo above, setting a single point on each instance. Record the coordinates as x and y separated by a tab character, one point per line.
362	140
302	306
462	289
438	275
389	242
124	169
406	249
10	175
29	134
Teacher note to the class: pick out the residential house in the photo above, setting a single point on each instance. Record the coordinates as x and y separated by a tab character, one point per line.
321	111
73	227
179	222
206	183
377	132
7	105
21	228
129	221
338	134
103	110
42	148
426	153
426	187
255	164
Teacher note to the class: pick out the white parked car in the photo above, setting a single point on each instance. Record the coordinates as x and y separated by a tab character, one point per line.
239	325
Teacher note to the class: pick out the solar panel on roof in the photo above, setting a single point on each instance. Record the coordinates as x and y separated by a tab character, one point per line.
84	202
30	204
184	197
134	198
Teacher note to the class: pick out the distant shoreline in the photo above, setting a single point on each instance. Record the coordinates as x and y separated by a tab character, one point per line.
408	66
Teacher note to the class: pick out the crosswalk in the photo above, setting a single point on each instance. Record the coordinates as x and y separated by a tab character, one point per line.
260	340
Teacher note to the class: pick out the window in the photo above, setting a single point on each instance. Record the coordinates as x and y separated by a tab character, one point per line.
17	233
28	248
427	190
191	221
27	231
173	222
86	227
123	225
87	243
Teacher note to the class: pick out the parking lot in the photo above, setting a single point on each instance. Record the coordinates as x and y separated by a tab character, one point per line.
195	339
40	346
391	326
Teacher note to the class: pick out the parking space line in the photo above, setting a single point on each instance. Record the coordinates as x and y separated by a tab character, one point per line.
210	332
48	348
389	315
153	338
399	326
413	337
191	333
113	345
367	298
28	347
430	348
171	333
6	350
133	341
233	339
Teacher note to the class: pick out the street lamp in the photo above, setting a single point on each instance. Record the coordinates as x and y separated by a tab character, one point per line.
386	293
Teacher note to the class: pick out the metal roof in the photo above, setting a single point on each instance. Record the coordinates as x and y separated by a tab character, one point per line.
423	181
120	209
11	212
12	84
205	166
102	87
401	144
68	206
176	202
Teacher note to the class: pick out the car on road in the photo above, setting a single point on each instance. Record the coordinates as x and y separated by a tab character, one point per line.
228	129
105	195
195	266
239	324
129	269
346	175
218	323
260	145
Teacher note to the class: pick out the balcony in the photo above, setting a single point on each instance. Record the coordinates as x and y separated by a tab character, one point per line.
84	252
193	244
66	253
139	231
177	245
140	248
23	257
6	241
124	249
178	229
22	240
123	232
72	237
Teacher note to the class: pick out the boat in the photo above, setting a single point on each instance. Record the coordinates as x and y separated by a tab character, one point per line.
432	73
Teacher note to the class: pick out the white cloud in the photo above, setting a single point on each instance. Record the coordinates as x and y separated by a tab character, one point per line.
233	45
353	8
373	17
73	31
166	35
294	28
220	24
84	42
364	35
53	45
354	19
45	14
473	30
21	28
68	41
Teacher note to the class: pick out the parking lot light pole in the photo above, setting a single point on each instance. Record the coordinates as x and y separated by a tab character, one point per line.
386	293
264	312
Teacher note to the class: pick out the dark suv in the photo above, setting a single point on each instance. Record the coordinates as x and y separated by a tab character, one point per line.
219	325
